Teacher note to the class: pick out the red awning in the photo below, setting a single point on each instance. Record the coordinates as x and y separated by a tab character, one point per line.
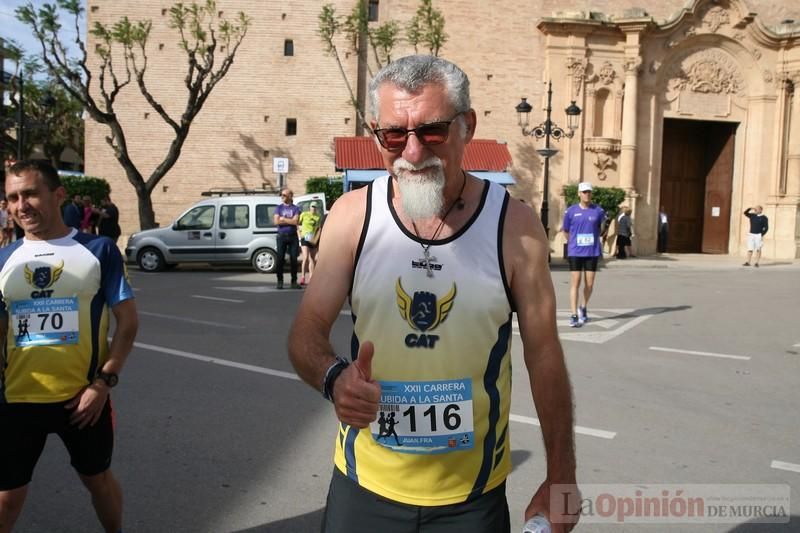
361	153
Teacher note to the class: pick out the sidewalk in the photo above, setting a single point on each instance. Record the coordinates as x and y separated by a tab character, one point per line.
684	262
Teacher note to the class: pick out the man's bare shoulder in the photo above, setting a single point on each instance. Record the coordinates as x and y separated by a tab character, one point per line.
524	241
521	218
349	207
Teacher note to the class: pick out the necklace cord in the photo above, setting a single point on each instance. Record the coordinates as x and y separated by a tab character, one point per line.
458	201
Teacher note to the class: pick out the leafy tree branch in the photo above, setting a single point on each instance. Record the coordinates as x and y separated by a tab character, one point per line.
121	48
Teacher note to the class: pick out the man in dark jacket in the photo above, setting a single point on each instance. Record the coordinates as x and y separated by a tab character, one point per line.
73	212
759	225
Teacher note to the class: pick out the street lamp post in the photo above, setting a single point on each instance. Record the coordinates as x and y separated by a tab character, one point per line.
547	129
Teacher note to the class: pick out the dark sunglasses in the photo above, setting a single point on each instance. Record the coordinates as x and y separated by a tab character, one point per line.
395	139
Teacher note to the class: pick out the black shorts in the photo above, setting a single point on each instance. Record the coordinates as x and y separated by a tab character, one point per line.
353	509
622	240
25	427
589	264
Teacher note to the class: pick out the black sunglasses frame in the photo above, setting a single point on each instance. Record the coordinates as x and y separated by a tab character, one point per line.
379	133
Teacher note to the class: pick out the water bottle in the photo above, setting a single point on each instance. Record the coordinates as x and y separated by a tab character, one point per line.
537	524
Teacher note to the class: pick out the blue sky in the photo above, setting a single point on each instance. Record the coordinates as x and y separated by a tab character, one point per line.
11	28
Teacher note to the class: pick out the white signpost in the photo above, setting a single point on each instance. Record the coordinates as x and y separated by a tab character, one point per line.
280	166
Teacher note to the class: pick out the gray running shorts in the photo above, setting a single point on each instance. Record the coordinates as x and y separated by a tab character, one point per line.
353	509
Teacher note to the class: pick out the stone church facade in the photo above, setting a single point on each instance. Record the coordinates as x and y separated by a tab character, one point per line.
689	106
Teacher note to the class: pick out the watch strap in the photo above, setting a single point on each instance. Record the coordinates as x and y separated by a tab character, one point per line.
109	378
331	375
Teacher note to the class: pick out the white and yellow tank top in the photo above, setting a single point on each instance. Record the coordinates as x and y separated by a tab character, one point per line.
442	356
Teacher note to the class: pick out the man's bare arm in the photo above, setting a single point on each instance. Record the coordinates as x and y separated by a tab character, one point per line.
526	250
87	406
310	350
127	325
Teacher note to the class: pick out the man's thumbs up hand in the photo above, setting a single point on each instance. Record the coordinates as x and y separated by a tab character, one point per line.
355	395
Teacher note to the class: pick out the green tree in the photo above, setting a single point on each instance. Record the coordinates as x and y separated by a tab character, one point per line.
332	187
427	28
209	41
382	39
52	117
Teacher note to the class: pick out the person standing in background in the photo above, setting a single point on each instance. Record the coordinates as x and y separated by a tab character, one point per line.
663	230
108	223
309	240
5	220
759	225
73	212
624	233
286	217
583	225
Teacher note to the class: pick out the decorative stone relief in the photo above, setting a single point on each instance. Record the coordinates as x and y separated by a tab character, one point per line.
706	71
768	76
577	69
716	17
756	53
607	73
654	66
689	32
602	163
602	145
632	65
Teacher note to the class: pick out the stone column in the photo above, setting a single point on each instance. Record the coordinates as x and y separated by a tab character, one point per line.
793	152
627	171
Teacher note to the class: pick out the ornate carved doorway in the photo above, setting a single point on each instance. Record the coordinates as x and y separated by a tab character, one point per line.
696	184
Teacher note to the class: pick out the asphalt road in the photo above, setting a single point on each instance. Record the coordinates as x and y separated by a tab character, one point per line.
685	376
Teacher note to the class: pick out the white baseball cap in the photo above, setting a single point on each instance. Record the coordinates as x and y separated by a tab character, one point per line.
584	186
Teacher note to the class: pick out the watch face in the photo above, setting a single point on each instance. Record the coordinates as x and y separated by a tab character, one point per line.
110	379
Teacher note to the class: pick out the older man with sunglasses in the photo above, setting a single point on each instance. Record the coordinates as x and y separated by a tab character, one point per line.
435	262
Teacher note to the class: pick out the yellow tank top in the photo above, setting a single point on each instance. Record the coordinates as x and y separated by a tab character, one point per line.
442	356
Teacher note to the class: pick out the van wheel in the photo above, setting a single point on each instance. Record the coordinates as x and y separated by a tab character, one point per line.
150	260
264	260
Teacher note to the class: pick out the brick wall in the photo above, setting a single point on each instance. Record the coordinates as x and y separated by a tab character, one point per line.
242	126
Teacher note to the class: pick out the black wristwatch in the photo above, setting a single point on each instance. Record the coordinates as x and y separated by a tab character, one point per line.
109	378
330	377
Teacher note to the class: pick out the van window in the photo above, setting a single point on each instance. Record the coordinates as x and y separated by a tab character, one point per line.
234	217
264	214
200	217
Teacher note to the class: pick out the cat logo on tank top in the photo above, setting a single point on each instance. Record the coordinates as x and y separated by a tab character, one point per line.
423	312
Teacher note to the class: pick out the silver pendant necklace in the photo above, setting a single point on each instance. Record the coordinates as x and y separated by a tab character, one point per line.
426	260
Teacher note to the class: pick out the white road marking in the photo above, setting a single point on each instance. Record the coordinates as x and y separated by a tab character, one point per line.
289	375
588	333
259	289
191	320
796	345
581	430
214	360
217	298
703	354
790	467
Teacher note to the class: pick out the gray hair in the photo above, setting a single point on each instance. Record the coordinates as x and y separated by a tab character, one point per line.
412	73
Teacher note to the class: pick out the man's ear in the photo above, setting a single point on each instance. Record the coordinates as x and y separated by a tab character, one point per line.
471	120
61	194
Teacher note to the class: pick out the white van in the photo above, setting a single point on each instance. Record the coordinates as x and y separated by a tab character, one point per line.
226	229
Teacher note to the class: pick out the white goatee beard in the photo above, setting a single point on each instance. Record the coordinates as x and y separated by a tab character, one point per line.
421	195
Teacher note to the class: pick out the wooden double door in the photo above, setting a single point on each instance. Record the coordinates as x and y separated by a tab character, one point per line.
696	184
